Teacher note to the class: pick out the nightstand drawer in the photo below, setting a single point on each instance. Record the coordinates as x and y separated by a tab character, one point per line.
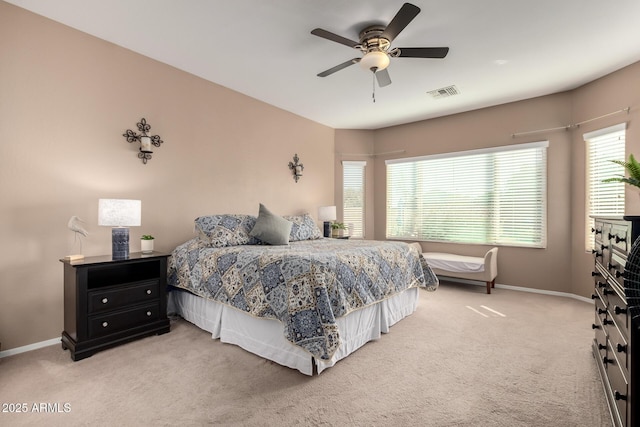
109	299
106	324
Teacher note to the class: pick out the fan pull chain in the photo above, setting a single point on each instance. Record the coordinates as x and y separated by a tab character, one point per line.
373	95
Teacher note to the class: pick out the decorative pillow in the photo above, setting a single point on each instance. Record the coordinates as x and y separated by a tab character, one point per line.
304	228
226	230
271	228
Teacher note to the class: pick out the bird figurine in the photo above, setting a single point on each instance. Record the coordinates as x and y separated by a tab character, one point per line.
75	225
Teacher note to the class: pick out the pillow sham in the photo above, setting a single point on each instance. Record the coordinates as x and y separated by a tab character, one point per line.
271	228
226	230
303	228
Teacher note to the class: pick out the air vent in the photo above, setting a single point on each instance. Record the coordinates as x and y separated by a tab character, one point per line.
444	92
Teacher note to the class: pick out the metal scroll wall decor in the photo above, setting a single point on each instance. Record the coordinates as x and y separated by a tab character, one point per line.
144	139
296	168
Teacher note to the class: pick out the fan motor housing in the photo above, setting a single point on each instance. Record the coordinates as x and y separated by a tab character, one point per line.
371	40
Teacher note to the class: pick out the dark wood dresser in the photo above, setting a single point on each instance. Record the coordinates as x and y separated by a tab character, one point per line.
616	329
108	302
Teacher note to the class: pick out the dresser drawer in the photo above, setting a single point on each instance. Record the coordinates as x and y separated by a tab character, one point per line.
619	347
616	268
105	324
113	298
618	312
620	238
619	389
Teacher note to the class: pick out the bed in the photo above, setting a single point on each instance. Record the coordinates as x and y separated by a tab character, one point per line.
305	304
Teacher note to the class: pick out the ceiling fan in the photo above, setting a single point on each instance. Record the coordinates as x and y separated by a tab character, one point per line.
375	44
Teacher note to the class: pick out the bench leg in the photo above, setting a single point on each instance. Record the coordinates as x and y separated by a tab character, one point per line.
491	284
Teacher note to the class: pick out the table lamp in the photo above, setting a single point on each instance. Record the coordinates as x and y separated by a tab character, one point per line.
119	214
327	214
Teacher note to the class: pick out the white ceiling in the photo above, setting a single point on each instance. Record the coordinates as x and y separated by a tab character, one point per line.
500	50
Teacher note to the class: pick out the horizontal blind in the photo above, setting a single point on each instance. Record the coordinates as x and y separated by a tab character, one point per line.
353	196
494	196
604	198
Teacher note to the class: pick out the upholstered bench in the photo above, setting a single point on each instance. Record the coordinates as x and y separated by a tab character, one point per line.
465	267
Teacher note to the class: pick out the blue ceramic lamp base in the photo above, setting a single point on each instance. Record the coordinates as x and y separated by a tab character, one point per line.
120	243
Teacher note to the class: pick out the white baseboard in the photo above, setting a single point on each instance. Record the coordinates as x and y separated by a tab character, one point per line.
520	289
25	348
54	341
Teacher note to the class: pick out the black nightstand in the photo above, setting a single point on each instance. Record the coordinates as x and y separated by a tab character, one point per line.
109	302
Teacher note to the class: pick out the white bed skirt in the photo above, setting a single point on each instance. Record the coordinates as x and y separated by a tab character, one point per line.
265	337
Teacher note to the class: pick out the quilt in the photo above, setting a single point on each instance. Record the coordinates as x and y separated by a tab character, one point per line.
306	285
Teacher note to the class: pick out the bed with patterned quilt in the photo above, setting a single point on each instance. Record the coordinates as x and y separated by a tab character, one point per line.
304	302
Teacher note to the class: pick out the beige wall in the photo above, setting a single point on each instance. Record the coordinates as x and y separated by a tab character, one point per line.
614	92
66	98
534	268
564	266
356	145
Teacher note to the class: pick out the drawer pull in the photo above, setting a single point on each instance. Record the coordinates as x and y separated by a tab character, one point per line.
594	326
619	396
601	285
605	360
603	247
602	311
621	348
105	300
607	322
596	231
594	296
619	310
148	291
105	324
607	292
619	274
602	347
148	313
620	239
595	273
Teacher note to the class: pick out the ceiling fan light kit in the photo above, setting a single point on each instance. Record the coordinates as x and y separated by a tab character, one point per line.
375	61
375	44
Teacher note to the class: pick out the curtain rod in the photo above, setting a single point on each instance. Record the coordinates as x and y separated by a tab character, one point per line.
371	154
569	127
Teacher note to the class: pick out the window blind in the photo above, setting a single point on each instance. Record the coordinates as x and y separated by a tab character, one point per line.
488	196
604	198
353	196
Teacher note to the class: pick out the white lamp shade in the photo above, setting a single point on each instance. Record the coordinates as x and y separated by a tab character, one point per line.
119	212
327	213
375	59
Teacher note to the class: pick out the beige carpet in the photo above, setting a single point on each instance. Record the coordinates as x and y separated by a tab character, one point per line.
446	365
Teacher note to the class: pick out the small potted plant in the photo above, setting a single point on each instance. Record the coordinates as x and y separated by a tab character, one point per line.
633	167
337	228
146	243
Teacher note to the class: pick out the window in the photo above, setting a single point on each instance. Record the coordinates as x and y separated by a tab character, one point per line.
604	198
487	196
353	196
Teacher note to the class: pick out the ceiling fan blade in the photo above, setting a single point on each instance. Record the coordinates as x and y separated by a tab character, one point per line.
383	78
333	37
339	67
423	52
404	16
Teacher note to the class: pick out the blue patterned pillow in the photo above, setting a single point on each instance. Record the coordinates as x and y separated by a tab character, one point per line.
304	228
226	230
